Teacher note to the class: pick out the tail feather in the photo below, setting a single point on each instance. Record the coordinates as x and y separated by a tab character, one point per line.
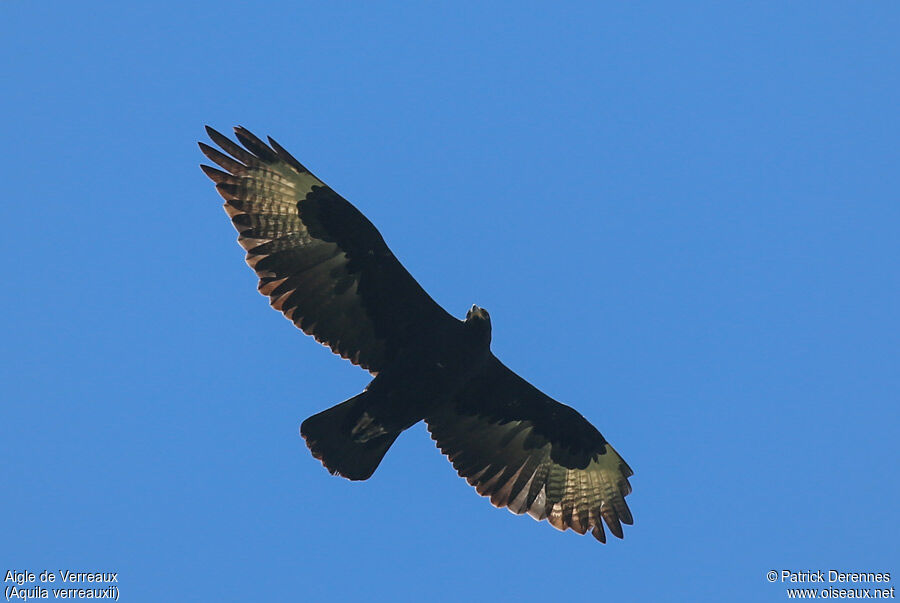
347	440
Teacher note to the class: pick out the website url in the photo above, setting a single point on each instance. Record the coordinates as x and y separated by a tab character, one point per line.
840	593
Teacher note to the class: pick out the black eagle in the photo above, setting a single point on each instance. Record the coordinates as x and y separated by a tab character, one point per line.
329	271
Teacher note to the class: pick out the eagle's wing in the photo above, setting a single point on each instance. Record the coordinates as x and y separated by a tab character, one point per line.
532	454
320	261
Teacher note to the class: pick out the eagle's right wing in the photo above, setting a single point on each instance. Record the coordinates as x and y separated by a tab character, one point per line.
319	260
532	454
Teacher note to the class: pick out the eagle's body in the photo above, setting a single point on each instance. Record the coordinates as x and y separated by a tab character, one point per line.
327	268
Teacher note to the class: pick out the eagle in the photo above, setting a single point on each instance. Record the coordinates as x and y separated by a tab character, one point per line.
327	269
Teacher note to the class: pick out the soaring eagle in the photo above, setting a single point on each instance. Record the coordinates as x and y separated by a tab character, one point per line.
328	270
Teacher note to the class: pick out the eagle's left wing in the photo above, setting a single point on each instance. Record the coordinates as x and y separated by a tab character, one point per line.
532	454
319	259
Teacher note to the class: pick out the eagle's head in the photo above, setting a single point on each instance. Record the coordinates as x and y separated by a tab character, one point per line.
476	313
479	321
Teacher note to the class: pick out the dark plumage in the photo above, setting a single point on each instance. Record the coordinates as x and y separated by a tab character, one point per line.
327	269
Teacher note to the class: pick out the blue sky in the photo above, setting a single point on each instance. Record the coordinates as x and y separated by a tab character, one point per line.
683	220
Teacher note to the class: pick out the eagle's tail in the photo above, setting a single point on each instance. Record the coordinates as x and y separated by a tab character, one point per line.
346	438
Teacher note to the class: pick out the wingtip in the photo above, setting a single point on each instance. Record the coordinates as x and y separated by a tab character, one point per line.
212	131
612	522
217	176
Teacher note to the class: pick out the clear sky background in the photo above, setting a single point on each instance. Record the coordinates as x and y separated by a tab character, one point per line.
683	220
